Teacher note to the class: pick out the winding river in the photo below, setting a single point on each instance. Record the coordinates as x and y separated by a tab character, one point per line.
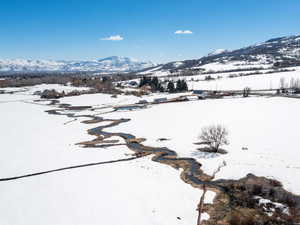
191	171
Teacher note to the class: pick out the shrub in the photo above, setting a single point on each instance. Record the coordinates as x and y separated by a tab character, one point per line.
215	136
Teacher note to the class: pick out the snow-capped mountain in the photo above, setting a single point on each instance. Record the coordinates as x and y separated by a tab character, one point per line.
106	65
278	52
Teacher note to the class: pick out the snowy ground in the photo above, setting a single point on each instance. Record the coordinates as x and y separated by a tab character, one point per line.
261	81
41	87
140	191
134	192
234	80
101	100
26	93
212	67
217	66
266	126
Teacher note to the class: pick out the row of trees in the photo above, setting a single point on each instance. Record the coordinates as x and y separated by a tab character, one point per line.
158	85
99	84
153	82
181	86
294	83
34	80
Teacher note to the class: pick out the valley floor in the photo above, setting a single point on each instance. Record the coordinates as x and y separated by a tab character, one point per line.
133	192
139	191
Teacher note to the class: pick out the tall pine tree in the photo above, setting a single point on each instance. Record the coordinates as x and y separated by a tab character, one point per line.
171	87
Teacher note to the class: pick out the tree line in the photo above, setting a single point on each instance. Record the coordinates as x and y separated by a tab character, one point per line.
159	85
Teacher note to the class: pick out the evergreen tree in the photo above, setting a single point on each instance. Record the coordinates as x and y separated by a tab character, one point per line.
160	88
145	81
178	85
171	87
142	82
155	82
184	85
181	86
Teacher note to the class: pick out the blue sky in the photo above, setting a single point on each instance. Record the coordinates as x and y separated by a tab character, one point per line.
66	29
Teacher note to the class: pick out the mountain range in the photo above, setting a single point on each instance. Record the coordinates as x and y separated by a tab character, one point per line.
280	52
111	64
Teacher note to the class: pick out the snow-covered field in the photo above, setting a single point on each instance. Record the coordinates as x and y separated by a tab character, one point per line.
266	126
26	93
261	81
139	191
41	87
216	66
269	79
101	100
133	192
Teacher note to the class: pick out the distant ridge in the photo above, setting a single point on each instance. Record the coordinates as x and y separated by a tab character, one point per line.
282	52
111	64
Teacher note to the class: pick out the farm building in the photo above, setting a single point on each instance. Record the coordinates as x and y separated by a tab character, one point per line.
200	94
160	100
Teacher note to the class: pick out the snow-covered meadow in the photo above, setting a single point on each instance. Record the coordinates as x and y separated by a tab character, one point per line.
260	81
217	66
139	191
267	127
268	78
133	192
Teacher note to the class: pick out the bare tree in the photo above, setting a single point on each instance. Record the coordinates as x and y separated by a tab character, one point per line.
297	84
292	83
215	136
282	83
246	92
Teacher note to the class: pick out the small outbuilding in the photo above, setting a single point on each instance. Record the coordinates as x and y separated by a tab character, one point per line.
143	102
160	100
200	94
133	83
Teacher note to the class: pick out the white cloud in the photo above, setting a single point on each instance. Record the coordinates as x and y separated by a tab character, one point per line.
113	38
183	32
